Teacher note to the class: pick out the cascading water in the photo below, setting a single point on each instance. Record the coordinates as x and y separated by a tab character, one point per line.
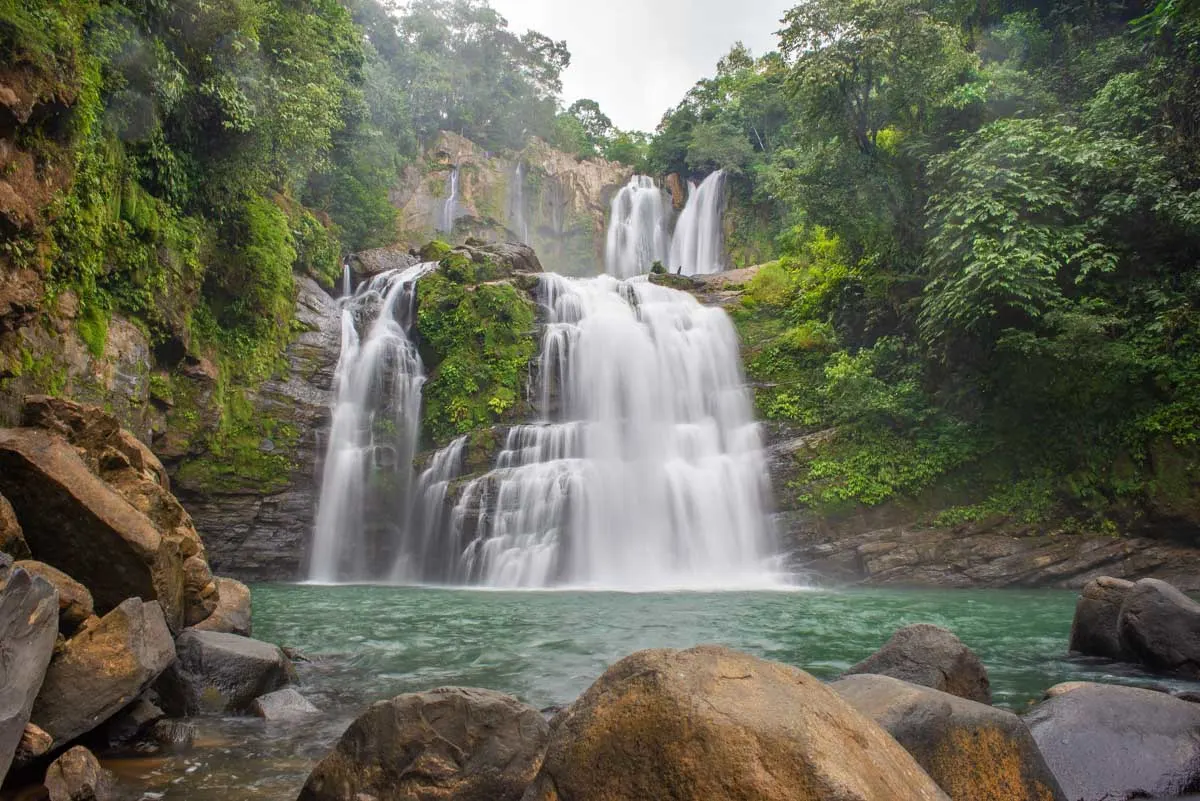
372	439
637	228
449	210
697	247
517	218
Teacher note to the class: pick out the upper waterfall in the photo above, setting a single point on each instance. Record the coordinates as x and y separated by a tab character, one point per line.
637	228
698	244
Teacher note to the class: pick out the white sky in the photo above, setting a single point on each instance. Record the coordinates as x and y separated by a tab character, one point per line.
637	58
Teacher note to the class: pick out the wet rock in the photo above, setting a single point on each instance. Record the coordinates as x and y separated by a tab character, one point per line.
219	672
372	262
232	614
74	600
12	540
28	629
973	751
711	723
35	742
175	734
451	744
133	721
283	705
102	669
1094	629
76	522
1111	743
77	776
1160	628
930	656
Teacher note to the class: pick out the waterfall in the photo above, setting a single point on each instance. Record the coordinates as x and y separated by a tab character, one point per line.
647	470
373	436
517	217
697	247
347	280
637	228
449	211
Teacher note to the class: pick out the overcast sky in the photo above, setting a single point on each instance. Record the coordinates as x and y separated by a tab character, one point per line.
637	58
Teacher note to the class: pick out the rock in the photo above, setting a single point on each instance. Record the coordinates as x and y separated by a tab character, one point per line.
178	734
1062	688
102	669
711	723
133	721
372	262
1094	630
77	523
973	751
283	705
1160	628
74	600
35	742
12	540
200	591
450	744
930	656
28	629
220	672
77	776
1111	743
1189	695
232	614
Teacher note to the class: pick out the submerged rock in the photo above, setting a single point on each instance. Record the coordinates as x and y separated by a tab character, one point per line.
74	600
283	705
1160	628
711	723
233	612
133	721
972	750
1094	630
930	656
28	629
450	744
220	672
1110	743
102	669
77	776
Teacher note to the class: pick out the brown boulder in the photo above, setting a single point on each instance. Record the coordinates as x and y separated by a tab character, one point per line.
930	656
77	776
450	744
28	629
200	592
711	723
973	751
103	669
232	614
1094	629
12	540
74	600
74	521
35	742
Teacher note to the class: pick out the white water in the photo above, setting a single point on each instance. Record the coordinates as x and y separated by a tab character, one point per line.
373	436
697	245
647	470
637	228
517	217
449	210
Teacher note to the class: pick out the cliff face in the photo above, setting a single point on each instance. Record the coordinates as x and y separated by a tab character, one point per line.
541	196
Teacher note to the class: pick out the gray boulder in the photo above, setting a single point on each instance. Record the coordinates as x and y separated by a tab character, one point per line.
103	669
221	672
1160	628
283	705
77	776
1094	630
930	656
28	629
451	744
972	750
1110	743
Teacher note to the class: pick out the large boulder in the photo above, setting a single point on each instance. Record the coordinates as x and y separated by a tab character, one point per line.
972	750
74	600
76	522
220	672
232	614
1094	630
720	725
28	629
450	744
103	669
930	656
1160	628
1110	743
77	776
12	539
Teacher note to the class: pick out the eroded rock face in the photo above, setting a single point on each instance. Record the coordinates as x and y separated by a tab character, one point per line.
716	724
930	656
74	600
28	628
973	751
77	776
1160	628
76	522
450	744
102	669
233	612
219	672
1094	630
1109	743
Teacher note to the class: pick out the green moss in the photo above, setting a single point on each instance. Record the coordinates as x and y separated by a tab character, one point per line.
435	251
93	328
